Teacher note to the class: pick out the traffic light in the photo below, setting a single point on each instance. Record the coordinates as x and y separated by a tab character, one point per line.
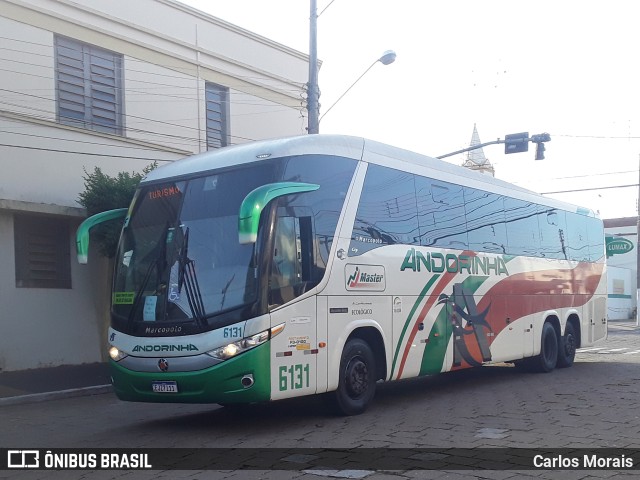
539	141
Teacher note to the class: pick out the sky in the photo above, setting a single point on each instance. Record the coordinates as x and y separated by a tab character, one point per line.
568	68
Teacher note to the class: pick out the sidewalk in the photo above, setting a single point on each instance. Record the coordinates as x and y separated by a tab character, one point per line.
43	384
627	325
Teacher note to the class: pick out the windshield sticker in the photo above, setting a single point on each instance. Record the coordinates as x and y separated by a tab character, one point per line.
149	311
123	298
126	258
365	277
174	293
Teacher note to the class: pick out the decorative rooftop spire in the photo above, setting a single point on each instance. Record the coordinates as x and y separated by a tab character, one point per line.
475	158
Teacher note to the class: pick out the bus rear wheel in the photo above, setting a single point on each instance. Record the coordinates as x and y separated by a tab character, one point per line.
568	346
357	382
548	358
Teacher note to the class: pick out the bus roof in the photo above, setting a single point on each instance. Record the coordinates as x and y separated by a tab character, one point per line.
356	148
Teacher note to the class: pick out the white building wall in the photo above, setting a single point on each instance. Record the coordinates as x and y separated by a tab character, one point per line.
620	302
27	80
169	52
49	165
622	275
49	327
163	106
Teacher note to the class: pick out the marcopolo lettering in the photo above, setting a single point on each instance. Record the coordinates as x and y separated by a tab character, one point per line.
435	262
166	348
163	330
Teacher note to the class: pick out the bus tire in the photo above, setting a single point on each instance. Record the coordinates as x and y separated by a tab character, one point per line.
548	357
568	345
357	380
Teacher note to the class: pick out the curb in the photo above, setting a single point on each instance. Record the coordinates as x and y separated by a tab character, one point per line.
61	394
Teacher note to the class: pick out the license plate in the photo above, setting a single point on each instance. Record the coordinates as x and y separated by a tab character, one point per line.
165	387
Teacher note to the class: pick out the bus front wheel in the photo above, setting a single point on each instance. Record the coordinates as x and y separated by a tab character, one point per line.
357	382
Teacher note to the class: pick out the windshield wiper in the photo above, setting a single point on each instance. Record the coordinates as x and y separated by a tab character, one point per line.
187	277
224	290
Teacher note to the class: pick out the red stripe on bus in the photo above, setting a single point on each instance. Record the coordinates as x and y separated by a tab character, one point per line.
537	291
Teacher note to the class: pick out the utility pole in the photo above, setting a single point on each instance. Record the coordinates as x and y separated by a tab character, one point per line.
313	92
637	252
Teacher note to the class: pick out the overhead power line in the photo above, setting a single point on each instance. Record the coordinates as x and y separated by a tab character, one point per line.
103	154
590	189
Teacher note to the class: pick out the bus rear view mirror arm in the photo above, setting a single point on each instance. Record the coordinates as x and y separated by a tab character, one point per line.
82	234
253	204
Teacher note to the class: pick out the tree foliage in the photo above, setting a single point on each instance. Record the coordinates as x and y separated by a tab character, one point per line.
103	192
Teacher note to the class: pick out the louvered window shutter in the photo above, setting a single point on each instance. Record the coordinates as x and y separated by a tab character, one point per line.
217	106
42	252
89	83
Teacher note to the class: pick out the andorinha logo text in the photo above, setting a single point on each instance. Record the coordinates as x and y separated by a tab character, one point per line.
365	277
618	245
435	262
165	348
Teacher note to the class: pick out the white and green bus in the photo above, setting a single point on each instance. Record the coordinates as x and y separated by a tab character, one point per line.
324	264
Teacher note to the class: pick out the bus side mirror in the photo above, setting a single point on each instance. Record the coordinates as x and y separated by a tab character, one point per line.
253	204
82	234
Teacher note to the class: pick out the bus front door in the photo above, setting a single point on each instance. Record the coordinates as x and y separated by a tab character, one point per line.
294	351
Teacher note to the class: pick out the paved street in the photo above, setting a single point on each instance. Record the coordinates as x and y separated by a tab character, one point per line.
596	403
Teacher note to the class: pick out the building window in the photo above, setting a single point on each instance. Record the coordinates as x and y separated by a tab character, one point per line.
42	251
88	86
217	103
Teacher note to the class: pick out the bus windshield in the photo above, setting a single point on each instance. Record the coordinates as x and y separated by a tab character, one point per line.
179	257
180	261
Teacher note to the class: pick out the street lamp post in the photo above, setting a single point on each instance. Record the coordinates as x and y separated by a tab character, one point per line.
387	58
313	91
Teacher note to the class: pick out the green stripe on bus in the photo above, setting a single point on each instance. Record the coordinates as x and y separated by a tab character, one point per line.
435	350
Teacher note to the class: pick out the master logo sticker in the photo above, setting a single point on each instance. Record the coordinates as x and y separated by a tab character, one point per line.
365	277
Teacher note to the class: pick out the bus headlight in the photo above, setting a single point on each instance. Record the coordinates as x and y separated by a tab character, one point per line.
116	355
247	343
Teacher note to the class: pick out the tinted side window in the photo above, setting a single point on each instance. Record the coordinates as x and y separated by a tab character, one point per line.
441	214
595	233
577	242
522	227
387	212
485	221
552	232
